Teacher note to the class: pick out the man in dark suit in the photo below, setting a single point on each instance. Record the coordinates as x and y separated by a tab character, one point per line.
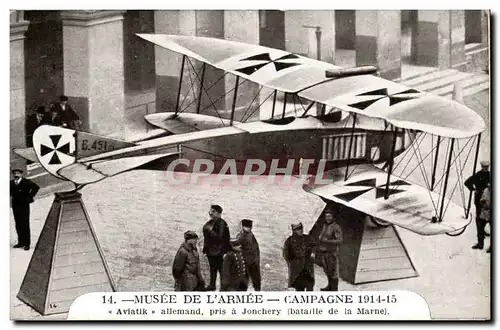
216	242
39	118
22	192
477	183
66	116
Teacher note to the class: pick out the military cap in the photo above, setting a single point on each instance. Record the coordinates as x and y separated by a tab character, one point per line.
190	234
246	223
18	170
63	98
216	208
485	163
328	211
297	226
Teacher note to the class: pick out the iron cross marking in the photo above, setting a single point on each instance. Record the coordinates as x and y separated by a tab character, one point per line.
371	184
54	149
265	59
380	94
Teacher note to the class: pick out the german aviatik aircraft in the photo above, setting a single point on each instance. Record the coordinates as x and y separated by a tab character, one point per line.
361	127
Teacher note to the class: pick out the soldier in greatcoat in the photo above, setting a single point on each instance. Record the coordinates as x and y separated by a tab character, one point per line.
298	252
327	254
216	242
477	183
485	203
186	268
234	273
251	252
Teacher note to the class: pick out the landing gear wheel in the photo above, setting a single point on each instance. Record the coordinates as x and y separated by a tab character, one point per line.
457	232
379	223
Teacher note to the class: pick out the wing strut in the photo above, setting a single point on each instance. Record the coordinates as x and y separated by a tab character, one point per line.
446	180
433	181
180	84
284	105
274	102
473	171
234	100
201	88
391	163
308	108
350	147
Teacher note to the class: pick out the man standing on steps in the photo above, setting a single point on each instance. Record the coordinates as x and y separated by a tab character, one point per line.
477	183
328	251
22	192
216	242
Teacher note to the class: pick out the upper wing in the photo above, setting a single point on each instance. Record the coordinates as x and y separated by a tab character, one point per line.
400	105
368	95
408	205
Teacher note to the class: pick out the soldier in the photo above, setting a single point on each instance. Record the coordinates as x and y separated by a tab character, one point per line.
234	273
299	255
186	267
251	252
477	183
328	251
486	208
22	192
216	242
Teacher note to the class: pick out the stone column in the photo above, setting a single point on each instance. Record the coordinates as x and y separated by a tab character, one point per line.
242	26
476	26
440	38
168	64
18	27
345	29
378	41
94	70
212	24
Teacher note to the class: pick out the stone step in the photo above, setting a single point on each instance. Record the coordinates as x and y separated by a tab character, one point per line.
466	84
424	71
438	83
471	90
412	82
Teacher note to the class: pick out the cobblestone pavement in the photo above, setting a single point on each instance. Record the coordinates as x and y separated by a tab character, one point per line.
140	220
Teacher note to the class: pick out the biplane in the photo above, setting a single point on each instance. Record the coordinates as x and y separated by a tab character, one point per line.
367	130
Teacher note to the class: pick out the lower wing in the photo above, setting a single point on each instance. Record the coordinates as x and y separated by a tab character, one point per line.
26	153
89	172
182	123
408	205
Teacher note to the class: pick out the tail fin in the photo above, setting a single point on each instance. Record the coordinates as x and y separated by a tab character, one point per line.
57	147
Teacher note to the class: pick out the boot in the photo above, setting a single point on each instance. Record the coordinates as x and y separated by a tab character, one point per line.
335	284
478	246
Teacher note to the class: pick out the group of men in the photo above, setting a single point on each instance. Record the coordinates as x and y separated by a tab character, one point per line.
237	260
59	114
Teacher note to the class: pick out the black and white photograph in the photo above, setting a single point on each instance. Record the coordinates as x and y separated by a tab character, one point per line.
227	152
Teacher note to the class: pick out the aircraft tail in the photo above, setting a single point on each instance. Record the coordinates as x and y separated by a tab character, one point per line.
58	147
